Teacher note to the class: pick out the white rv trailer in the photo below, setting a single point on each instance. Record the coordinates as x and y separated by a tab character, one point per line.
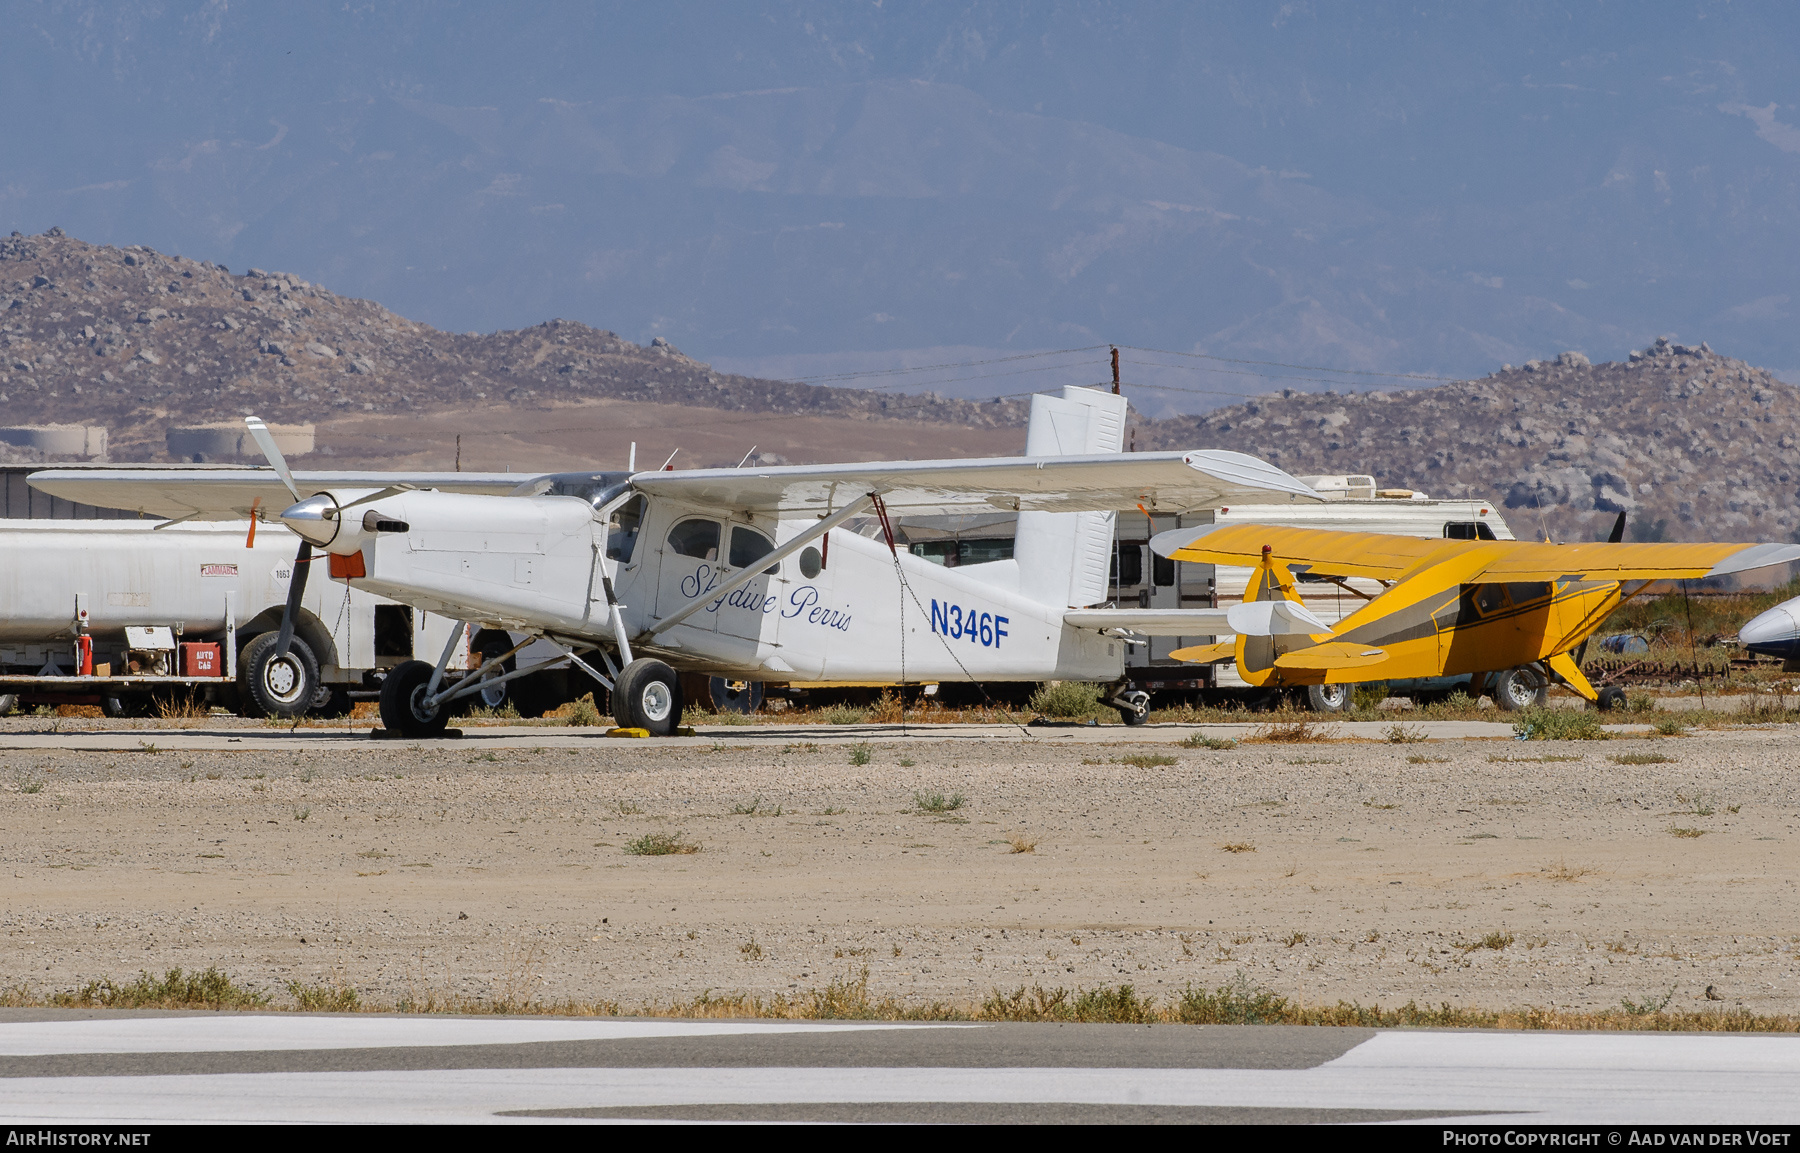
97	612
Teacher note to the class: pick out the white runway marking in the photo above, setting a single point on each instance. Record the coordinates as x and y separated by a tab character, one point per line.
258	1034
1549	1078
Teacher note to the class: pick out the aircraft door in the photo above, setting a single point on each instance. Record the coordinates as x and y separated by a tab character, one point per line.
689	568
750	611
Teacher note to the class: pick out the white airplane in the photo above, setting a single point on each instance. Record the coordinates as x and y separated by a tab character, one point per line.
743	573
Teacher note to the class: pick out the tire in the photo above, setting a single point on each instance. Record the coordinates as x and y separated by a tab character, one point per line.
1518	689
725	699
119	708
8	702
1329	698
280	687
1611	698
490	643
1136	709
400	695
647	695
332	701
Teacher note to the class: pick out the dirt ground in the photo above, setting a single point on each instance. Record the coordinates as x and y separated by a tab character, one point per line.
1486	873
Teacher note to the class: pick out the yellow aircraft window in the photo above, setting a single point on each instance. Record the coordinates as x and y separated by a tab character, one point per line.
696	538
1525	593
1489	599
622	530
749	546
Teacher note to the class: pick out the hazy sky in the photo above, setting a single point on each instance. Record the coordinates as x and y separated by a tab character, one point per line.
1390	187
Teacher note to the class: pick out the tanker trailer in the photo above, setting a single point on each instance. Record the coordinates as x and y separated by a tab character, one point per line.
122	615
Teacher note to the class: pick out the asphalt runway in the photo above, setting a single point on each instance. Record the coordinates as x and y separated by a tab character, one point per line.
74	1067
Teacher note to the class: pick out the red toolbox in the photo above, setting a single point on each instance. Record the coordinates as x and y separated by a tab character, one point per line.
201	660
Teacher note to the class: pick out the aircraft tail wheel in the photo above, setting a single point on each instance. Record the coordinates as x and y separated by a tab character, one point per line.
1328	698
647	695
1612	697
1133	706
735	696
402	697
281	686
1520	688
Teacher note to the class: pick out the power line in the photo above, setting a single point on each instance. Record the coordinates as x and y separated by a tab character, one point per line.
957	364
1279	364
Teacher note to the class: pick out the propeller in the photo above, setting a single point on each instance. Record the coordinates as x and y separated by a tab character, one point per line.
259	432
1618	529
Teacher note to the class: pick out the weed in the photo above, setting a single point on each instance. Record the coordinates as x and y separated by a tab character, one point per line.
1236	1003
751	950
1021	844
490	757
828	811
906	762
300	814
1671	726
321	998
1069	699
1641	703
1546	759
938	802
374	854
26	783
660	845
1405	735
1495	941
146	746
755	809
1641	759
843	715
1563	871
1648	1005
1295	939
1419	759
305	777
1559	725
1679	831
175	989
1238	847
1302	731
1373	805
1145	760
1201	741
584	714
860	754
626	809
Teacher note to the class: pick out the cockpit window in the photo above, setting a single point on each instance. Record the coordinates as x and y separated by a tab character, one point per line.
749	546
622	530
696	538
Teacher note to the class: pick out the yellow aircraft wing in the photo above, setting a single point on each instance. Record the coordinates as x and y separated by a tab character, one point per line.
1384	557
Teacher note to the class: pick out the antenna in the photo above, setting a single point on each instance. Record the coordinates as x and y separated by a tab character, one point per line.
669	465
631	463
747	457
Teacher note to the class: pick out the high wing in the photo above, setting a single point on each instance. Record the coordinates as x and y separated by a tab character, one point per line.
1160	481
213	493
1384	557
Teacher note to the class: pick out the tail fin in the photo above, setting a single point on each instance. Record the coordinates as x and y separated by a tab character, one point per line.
1063	556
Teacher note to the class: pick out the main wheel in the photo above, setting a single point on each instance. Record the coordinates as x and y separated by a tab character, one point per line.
1612	697
1328	698
490	643
735	696
647	695
403	709
1519	688
281	686
1136	707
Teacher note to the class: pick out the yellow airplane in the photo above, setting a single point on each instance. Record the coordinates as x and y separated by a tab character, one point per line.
1512	611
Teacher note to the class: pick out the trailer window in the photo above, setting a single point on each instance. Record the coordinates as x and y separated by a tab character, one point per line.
696	538
1468	530
1128	565
1162	571
749	546
622	530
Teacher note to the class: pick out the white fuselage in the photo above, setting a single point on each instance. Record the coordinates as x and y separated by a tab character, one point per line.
536	563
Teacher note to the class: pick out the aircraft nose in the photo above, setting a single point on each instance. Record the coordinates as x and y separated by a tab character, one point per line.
1774	633
315	519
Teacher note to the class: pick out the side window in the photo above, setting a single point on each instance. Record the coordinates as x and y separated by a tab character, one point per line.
1484	531
622	530
1465	530
749	546
1490	598
696	538
1162	571
1128	565
1525	593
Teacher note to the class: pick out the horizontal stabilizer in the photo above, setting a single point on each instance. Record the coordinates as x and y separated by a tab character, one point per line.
1152	622
1207	654
1274	619
1331	655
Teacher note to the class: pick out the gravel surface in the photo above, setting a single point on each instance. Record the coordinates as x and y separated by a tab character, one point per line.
1466	871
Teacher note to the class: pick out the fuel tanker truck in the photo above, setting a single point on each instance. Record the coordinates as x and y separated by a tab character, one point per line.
129	616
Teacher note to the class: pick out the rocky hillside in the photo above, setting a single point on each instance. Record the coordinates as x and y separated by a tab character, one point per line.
1694	445
135	340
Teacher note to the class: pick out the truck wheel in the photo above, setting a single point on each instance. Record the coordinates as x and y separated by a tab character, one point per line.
331	702
280	686
121	707
8	702
647	695
746	697
1518	689
1328	698
1612	697
402	694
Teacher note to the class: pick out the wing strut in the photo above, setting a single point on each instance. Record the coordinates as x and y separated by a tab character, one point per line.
751	572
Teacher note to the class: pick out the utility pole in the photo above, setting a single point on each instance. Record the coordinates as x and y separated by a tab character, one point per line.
1115	353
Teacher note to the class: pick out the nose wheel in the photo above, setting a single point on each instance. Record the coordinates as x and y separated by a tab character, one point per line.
647	695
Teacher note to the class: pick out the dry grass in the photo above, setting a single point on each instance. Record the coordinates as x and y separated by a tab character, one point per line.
1679	831
1404	735
1238	847
1019	843
1145	760
1302	731
1563	871
1238	1002
1641	759
1201	741
661	845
